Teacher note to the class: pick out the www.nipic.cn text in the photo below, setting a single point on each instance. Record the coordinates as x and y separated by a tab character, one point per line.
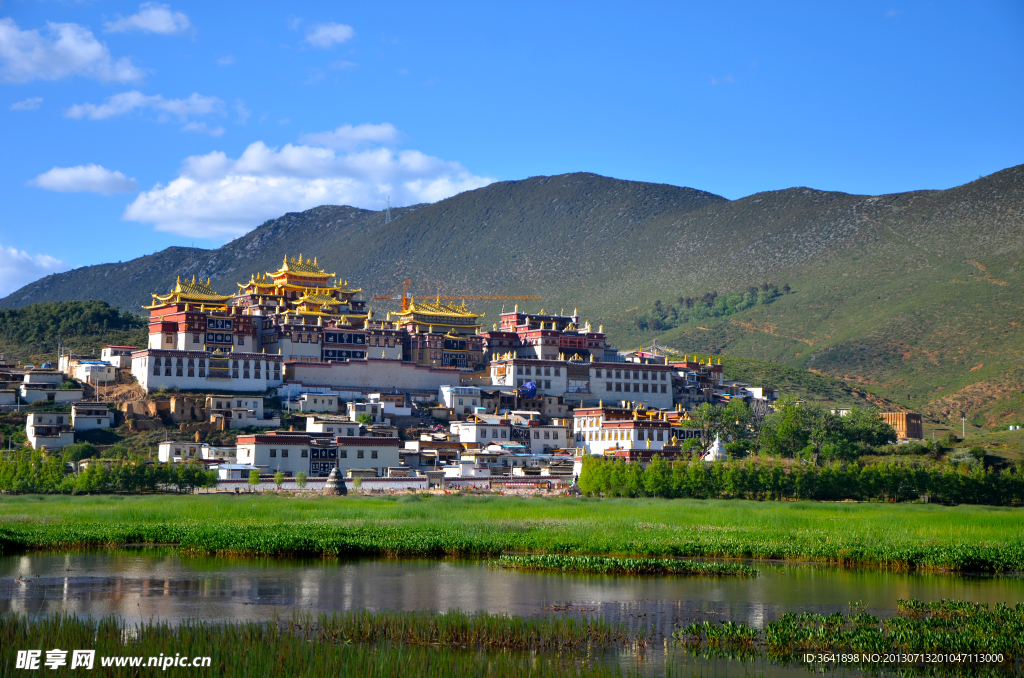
32	660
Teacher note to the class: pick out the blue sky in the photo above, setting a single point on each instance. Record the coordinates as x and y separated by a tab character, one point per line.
126	128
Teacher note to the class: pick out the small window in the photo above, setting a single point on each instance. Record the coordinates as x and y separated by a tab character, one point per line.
373	454
359	454
305	453
343	454
273	453
284	453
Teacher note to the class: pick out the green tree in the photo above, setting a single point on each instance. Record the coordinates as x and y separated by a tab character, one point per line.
364	418
300	479
278	479
254	479
657	478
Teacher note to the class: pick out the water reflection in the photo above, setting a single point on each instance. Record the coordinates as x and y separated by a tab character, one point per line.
165	585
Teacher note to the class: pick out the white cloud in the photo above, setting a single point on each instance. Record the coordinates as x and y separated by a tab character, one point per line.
220	197
329	35
18	268
203	129
30	104
69	49
126	102
85	178
242	111
152	17
226	60
349	137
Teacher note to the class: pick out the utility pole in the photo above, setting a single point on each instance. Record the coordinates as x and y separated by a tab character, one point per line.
963	425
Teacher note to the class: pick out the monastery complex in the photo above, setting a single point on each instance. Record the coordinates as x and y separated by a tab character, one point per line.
301	324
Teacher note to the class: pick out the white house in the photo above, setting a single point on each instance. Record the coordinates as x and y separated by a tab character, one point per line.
588	382
601	429
548	437
118	356
482	429
52	430
88	416
332	426
375	411
32	393
317	402
173	451
293	452
94	372
461	400
393	403
235	471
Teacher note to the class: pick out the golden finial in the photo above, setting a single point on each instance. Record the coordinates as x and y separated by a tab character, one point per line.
382	355
575	311
675	441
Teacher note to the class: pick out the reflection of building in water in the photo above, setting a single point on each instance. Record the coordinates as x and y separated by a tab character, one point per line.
755	617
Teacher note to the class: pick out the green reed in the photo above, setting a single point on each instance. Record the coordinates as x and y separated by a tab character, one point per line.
613	565
353	643
948	626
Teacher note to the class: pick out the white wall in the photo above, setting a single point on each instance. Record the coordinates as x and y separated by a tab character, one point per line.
371	375
142	370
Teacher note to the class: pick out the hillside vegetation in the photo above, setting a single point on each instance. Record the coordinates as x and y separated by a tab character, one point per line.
32	333
913	297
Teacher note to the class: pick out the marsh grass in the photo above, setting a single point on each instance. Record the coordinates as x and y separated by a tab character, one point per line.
947	626
894	536
450	644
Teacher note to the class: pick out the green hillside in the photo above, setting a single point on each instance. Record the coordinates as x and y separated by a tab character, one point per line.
32	333
914	297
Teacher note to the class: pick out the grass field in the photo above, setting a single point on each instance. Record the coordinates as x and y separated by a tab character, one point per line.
898	536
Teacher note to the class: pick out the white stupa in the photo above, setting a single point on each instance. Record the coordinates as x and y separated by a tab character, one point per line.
716	453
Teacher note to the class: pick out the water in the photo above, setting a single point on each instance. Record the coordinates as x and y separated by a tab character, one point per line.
160	584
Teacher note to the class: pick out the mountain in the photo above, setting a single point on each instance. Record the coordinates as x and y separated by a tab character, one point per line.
914	297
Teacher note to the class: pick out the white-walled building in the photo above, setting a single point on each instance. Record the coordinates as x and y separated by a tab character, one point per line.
175	451
235	471
461	400
94	372
332	425
294	452
32	393
205	371
316	402
50	430
393	403
375	411
598	430
8	397
543	438
118	356
482	430
588	382
88	416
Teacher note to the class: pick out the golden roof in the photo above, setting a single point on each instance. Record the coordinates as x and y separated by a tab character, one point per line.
315	298
189	291
300	268
438	309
